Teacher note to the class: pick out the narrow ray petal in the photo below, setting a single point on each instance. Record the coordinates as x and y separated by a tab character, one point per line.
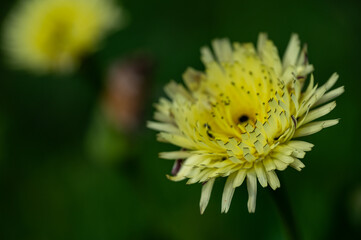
206	194
252	191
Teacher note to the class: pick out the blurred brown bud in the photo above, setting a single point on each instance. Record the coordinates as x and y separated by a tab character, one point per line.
126	90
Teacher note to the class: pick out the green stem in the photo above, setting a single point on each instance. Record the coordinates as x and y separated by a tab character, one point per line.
284	208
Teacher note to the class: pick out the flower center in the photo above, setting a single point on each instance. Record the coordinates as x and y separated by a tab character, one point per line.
243	118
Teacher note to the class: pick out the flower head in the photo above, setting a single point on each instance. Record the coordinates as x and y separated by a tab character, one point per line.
52	35
238	119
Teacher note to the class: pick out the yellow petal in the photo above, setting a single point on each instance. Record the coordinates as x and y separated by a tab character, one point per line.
228	193
314	127
206	194
252	191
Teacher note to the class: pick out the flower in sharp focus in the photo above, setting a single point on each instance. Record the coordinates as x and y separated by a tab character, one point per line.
52	35
238	119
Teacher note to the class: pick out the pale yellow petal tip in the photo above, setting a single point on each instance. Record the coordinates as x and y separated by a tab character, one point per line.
335	75
263	35
190	181
225	207
165	155
174	155
223	50
206	55
206	194
295	39
174	178
251	207
331	123
341	90
202	207
202	210
300	168
150	124
294	36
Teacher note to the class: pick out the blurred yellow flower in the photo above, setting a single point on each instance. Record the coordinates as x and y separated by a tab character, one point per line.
238	119
52	35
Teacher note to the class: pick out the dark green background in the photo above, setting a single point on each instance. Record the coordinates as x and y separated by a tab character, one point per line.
51	187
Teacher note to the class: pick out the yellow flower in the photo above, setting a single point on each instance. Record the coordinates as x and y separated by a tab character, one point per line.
52	35
238	119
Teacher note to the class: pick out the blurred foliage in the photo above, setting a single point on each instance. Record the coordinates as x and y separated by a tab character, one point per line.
52	189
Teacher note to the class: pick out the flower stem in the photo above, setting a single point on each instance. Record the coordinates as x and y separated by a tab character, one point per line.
284	208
